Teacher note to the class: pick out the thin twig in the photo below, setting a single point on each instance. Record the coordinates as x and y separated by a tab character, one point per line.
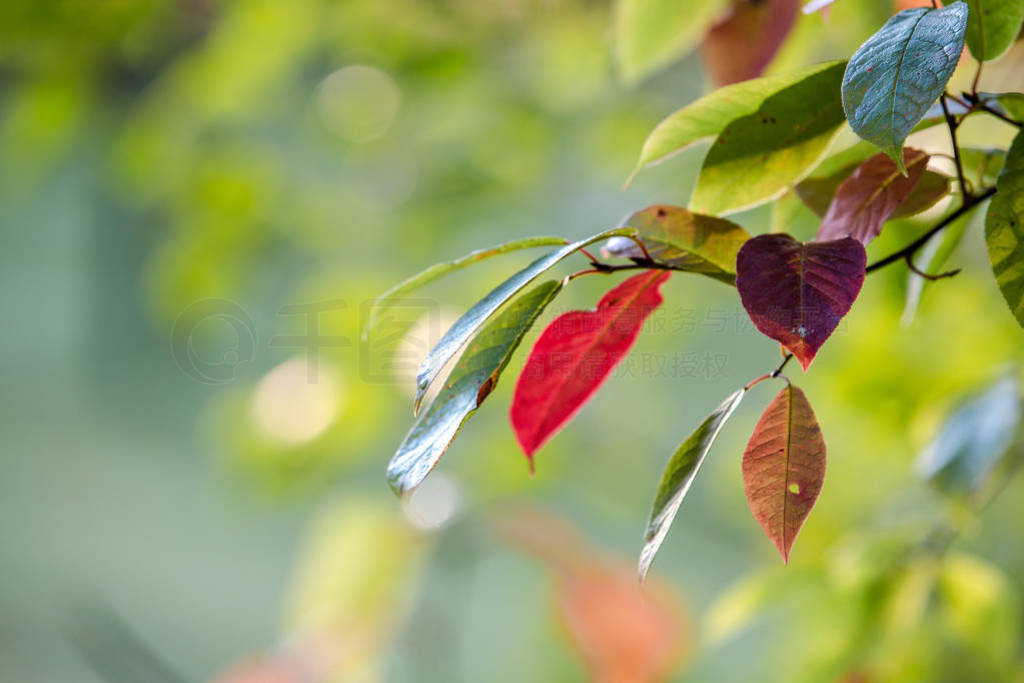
909	258
923	239
952	125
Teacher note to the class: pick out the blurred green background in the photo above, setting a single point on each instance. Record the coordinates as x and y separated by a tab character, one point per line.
189	492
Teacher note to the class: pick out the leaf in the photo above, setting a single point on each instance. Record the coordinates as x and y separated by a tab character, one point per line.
740	47
784	467
896	75
797	292
574	355
622	631
984	163
992	26
930	259
684	240
757	156
1004	229
973	439
650	34
710	114
467	325
865	200
679	474
388	299
472	379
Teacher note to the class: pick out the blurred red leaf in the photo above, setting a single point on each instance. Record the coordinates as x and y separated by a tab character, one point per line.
865	200
574	355
624	633
797	292
784	467
743	43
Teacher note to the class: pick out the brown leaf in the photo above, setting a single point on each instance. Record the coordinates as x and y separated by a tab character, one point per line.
865	200
784	467
744	42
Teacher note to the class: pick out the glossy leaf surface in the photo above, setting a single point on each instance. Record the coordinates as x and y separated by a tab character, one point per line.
740	47
574	356
709	115
472	379
757	156
684	240
872	193
470	322
1004	229
784	467
973	439
797	292
992	26
896	75
679	474
438	270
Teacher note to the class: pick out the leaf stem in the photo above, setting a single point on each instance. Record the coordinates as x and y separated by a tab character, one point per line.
952	124
928	276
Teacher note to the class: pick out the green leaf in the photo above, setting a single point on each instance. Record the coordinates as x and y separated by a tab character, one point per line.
388	299
1007	103
931	259
679	474
983	163
1004	229
684	240
757	156
992	26
709	115
470	322
896	75
973	439
473	378
650	34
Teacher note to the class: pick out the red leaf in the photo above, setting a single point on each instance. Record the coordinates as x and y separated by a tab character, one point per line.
743	44
574	356
797	292
784	467
870	195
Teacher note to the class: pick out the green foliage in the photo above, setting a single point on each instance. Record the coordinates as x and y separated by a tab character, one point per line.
471	381
680	471
1004	229
757	156
650	34
992	26
895	76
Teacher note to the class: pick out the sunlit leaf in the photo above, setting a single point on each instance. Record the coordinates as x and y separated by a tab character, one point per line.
684	240
709	115
865	200
973	439
784	467
472	379
389	298
992	26
574	356
797	292
650	34
896	75
470	322
679	474
740	47
1004	229
757	156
